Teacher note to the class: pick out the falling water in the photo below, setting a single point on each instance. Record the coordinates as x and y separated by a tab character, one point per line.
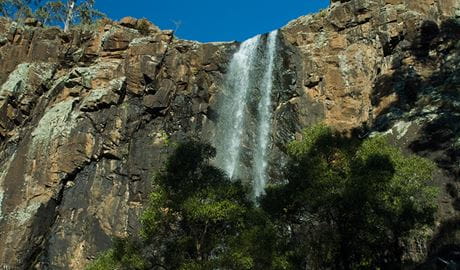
248	84
231	111
264	117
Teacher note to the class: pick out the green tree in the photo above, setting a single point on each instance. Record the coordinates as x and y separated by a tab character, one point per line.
56	12
17	9
203	220
52	12
125	254
85	13
197	218
344	204
350	204
68	13
194	210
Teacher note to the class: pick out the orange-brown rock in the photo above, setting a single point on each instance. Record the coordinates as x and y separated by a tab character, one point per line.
77	142
85	117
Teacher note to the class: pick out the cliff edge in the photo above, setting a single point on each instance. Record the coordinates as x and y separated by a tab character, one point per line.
88	117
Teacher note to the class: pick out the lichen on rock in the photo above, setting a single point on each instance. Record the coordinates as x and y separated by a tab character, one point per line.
86	118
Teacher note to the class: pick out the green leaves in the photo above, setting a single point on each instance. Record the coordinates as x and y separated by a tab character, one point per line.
368	194
344	204
197	217
105	261
212	209
155	215
18	9
123	255
53	12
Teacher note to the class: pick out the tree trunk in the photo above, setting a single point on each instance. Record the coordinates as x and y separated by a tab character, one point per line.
68	20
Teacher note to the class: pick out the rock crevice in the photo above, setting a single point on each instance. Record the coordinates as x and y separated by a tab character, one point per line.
88	117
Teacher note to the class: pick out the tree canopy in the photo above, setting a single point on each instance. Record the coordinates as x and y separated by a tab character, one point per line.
52	12
197	218
17	8
358	201
343	203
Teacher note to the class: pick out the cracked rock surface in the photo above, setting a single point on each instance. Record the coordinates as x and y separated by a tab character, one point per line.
87	118
85	122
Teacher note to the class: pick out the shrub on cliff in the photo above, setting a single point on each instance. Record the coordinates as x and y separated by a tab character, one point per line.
351	204
126	253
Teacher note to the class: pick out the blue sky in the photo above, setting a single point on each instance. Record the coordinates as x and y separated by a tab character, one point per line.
206	20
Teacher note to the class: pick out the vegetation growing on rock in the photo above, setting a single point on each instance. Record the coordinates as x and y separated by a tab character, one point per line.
344	204
352	204
378	68
197	219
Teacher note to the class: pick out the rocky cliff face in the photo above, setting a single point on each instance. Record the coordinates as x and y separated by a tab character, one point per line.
86	121
390	67
88	117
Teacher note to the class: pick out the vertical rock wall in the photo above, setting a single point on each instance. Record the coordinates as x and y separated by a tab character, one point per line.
389	66
87	118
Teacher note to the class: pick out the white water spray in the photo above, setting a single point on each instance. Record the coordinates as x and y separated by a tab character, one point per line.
248	84
231	111
264	111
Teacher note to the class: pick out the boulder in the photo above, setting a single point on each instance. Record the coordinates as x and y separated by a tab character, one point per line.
129	22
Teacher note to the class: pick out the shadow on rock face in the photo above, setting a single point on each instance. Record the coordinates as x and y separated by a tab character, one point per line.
444	249
421	47
429	99
423	92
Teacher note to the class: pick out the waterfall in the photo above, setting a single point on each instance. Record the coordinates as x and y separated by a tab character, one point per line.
231	111
264	117
248	84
